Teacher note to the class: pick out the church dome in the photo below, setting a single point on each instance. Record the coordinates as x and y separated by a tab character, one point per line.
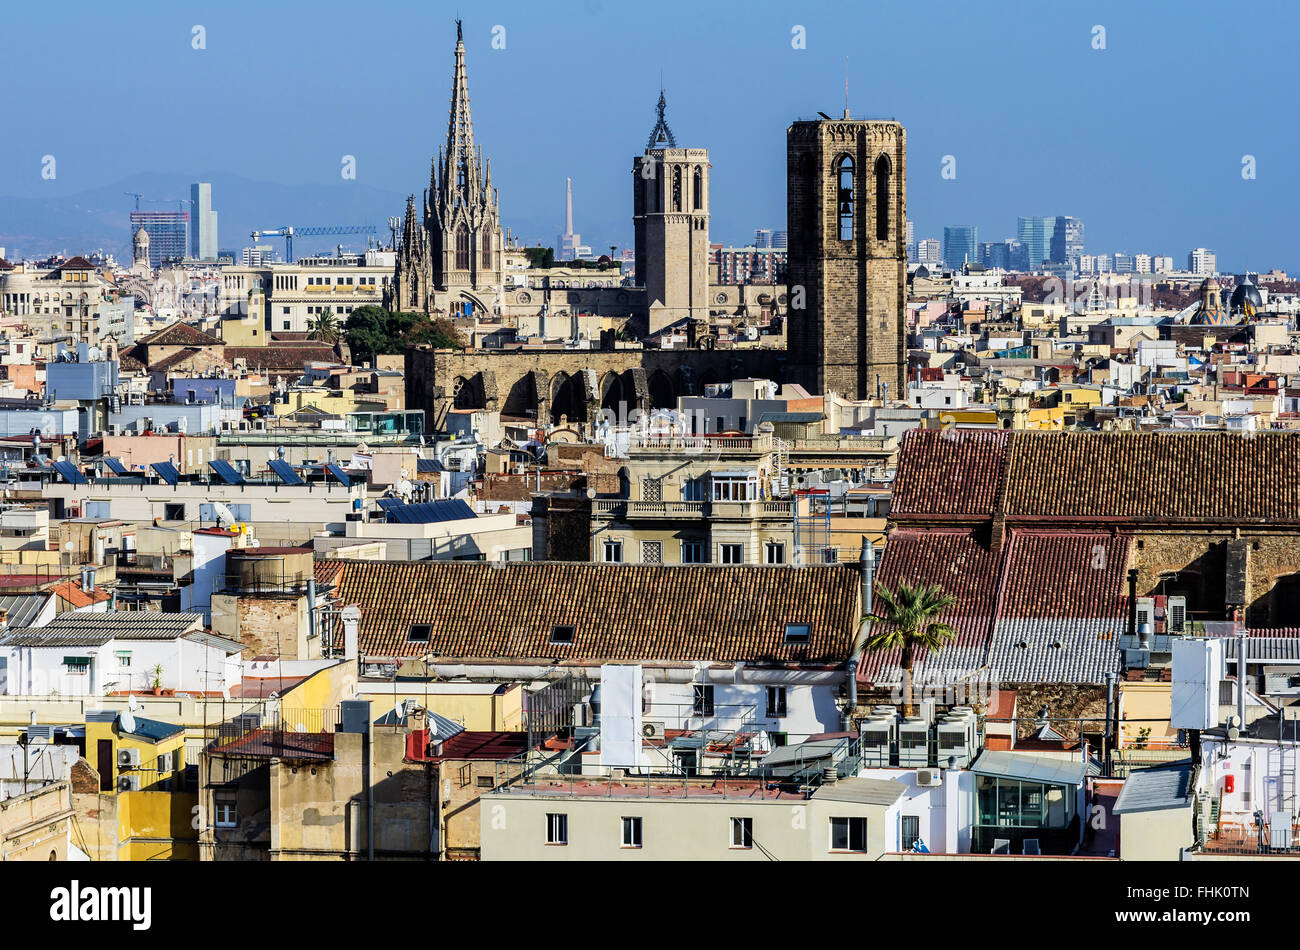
1246	295
141	236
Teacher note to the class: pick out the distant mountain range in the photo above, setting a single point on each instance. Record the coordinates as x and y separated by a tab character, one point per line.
99	218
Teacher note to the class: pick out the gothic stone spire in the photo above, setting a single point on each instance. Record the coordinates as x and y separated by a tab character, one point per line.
460	173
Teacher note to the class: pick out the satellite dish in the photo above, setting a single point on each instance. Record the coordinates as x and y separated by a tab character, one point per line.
399	707
224	515
126	721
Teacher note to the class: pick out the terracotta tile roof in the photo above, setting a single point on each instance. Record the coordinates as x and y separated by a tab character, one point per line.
1026	476
1055	574
950	472
179	334
283	356
963	566
177	358
71	592
619	612
77	263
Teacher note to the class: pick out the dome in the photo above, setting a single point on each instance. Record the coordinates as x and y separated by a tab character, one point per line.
141	236
1246	295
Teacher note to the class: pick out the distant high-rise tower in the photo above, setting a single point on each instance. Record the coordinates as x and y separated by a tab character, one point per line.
670	220
167	232
203	222
570	244
847	272
1035	233
1067	240
457	248
960	246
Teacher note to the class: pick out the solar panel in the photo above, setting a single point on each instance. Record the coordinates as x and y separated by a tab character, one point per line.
115	466
70	473
427	465
286	472
426	512
338	473
166	471
228	473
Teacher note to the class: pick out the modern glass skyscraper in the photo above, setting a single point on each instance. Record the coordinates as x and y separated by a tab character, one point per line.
1067	240
203	234
1035	234
167	232
960	244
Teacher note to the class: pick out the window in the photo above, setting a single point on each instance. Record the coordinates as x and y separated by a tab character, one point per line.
631	832
735	487
849	834
911	832
462	248
563	634
693	489
776	708
732	553
652	489
419	633
775	552
703	700
76	664
652	552
485	781
845	199
557	828
742	832
882	198
487	250
174	512
226	813
797	633
699	190
693	552
613	552
123	658
677	188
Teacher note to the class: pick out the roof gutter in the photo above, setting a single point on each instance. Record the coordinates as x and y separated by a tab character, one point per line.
727	675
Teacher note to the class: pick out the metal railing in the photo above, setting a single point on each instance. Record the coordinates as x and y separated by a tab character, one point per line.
266	733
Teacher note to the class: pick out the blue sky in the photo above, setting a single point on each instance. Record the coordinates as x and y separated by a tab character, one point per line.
1144	140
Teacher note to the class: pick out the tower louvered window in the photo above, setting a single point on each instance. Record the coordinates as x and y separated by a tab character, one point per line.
462	248
882	198
845	198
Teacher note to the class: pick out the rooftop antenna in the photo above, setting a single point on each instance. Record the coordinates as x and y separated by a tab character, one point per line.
846	87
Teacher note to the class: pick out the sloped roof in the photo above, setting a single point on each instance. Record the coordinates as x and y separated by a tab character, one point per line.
619	612
71	592
282	356
21	609
94	629
179	334
1109	477
1156	789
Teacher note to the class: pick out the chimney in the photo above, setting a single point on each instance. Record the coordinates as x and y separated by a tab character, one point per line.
351	620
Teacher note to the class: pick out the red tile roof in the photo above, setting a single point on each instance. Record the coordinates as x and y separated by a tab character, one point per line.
1051	574
1106	477
71	592
620	612
179	334
490	746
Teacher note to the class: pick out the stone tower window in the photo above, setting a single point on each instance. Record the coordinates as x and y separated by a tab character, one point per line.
882	198
462	248
487	250
677	188
699	190
844	201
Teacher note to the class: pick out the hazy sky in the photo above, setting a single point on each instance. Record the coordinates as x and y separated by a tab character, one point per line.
1144	139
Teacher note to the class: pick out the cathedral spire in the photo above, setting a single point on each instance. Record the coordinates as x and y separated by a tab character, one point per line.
459	169
661	135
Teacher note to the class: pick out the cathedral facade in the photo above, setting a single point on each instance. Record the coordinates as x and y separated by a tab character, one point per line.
450	254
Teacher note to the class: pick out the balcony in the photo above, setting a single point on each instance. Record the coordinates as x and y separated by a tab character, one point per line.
609	509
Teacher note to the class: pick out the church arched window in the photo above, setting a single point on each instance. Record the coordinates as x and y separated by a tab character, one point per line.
487	249
677	188
699	190
462	248
882	198
845	198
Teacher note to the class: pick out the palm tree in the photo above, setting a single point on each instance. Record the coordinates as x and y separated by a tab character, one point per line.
325	327
908	613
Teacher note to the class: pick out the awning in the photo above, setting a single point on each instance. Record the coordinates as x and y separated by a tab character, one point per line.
1030	768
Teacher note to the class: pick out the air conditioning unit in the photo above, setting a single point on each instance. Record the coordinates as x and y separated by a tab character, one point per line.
1177	614
928	778
40	735
913	743
652	730
1146	612
128	758
114	429
128	783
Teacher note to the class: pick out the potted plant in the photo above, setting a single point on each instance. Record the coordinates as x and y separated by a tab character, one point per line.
156	673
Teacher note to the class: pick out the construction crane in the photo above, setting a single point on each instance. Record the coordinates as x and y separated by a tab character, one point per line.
290	232
136	195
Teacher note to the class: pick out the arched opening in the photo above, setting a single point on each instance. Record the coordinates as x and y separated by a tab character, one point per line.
612	397
1284	602
486	260
466	393
845	198
677	188
522	398
662	395
566	399
698	190
882	198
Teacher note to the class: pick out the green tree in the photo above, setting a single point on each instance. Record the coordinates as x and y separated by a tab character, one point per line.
373	330
324	327
908	614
